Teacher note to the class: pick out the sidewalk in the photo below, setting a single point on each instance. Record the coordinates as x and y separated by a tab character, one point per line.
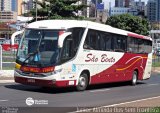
156	69
6	73
6	76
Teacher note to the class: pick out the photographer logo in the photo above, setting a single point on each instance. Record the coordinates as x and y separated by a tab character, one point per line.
29	101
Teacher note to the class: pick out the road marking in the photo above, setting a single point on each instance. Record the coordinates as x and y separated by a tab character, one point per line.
100	90
6	81
3	100
113	105
153	84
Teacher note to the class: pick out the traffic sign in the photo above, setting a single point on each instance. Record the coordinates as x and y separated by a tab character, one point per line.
100	6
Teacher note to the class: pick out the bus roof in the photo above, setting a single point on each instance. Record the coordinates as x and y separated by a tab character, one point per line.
65	24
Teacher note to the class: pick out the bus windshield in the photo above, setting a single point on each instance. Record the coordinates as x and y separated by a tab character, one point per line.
39	47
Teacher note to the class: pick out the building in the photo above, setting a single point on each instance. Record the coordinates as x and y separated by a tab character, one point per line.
96	1
139	5
152	7
5	5
119	10
119	3
11	5
127	3
1	5
124	3
85	11
14	5
27	5
30	4
131	3
8	16
158	10
123	10
19	7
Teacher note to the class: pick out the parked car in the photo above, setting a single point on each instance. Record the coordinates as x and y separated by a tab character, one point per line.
158	52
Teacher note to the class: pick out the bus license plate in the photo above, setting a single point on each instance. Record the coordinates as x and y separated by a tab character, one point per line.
30	80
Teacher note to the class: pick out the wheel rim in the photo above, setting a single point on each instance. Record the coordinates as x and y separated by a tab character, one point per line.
134	78
82	82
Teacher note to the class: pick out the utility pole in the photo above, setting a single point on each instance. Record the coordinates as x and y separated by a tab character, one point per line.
96	9
36	10
0	57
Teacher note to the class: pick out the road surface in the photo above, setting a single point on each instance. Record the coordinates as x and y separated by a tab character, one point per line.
68	99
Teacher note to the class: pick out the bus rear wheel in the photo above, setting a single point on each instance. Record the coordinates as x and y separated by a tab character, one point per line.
134	78
82	82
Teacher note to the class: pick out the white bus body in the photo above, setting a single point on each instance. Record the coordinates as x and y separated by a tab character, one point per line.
103	54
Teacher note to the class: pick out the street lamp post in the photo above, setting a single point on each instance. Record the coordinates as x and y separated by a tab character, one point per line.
8	31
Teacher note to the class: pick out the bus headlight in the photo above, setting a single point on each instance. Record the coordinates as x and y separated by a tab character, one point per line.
57	71
53	73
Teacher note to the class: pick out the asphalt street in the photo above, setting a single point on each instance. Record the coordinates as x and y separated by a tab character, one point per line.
68	99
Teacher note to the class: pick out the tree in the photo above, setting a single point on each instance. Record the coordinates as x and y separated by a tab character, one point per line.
58	9
130	23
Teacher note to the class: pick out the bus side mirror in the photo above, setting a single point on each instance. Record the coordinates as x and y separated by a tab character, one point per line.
62	38
14	35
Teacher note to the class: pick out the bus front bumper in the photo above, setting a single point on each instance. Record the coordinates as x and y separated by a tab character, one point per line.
44	83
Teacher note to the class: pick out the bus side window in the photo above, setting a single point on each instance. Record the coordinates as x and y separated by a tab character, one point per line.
77	34
119	43
141	46
101	41
147	46
135	45
90	41
97	40
108	42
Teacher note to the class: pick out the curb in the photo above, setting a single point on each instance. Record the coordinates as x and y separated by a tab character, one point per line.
156	71
7	81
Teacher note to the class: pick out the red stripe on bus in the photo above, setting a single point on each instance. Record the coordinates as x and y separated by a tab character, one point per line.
135	35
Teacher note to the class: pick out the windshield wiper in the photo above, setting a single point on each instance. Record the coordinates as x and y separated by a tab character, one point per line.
35	52
29	56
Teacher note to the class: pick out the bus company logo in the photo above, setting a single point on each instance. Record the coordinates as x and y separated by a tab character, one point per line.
104	58
29	101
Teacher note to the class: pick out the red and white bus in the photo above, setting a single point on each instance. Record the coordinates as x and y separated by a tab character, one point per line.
62	53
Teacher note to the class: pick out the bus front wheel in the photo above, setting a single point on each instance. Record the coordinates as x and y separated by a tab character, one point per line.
134	78
82	82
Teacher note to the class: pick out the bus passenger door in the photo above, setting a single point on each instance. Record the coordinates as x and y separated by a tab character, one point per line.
66	58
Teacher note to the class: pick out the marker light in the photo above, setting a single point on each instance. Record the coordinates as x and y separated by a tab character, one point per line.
17	66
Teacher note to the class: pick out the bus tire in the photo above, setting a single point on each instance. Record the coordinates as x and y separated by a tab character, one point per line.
134	78
82	82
